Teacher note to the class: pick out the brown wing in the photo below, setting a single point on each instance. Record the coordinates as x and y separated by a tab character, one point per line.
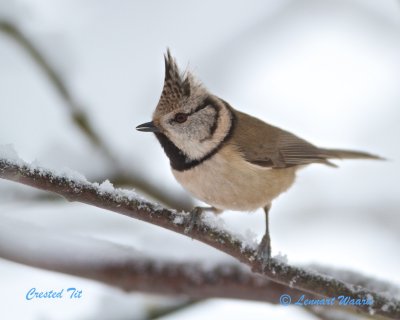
269	146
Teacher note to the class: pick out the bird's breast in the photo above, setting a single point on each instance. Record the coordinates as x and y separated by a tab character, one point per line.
228	182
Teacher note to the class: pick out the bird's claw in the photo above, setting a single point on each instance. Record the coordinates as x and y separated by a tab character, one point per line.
193	218
264	251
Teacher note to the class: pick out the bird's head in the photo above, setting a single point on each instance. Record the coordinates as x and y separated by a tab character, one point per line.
188	119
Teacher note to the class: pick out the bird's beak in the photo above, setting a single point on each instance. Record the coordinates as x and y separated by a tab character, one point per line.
147	127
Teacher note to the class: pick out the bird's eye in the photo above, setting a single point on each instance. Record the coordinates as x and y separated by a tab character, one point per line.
181	117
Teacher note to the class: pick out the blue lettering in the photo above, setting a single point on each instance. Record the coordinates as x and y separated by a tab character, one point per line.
30	294
343	300
299	302
75	293
59	294
52	294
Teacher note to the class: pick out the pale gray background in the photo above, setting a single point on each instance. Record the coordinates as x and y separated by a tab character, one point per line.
327	70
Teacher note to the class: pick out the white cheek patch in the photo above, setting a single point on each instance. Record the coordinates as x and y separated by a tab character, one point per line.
204	131
202	124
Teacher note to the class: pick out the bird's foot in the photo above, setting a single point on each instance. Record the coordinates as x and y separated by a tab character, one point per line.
193	218
264	251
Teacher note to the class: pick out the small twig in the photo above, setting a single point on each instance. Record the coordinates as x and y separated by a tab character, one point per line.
83	123
130	205
78	116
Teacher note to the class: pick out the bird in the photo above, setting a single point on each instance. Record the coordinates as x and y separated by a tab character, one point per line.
226	158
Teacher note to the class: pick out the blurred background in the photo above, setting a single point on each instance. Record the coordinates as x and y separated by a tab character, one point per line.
76	77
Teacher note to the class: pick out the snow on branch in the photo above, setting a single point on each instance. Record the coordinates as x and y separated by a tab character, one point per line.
74	187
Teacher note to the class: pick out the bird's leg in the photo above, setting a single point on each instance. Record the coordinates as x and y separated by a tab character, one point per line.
264	248
194	216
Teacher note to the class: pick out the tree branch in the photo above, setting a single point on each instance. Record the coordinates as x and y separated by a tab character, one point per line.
130	270
131	205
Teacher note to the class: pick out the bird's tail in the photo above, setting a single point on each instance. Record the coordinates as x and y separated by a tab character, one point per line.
349	154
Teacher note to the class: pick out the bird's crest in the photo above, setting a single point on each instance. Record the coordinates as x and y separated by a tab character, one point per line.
178	87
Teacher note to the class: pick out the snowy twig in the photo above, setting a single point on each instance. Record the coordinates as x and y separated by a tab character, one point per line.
129	204
82	122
